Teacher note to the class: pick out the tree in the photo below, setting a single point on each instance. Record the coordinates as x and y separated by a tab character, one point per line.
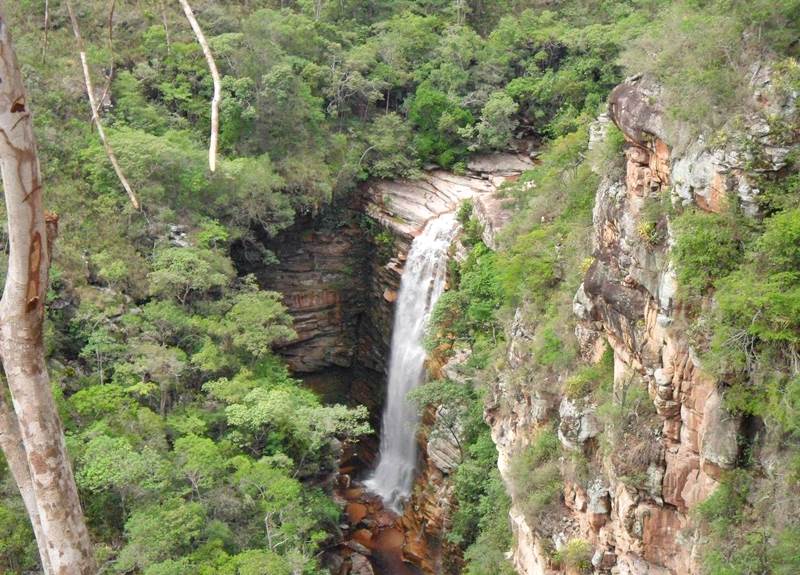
87	77
179	272
212	67
390	153
63	530
200	460
496	127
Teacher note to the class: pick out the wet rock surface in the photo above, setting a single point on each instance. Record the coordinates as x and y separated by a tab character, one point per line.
374	538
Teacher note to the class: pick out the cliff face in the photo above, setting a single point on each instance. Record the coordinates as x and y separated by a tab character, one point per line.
679	448
339	284
400	211
403	208
318	273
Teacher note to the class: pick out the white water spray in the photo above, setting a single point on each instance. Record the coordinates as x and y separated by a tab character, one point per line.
422	283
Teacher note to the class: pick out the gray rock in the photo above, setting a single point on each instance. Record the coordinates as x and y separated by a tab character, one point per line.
499	163
718	439
578	423
599	498
361	565
634	107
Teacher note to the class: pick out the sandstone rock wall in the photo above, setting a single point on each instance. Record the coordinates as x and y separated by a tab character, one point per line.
318	272
628	302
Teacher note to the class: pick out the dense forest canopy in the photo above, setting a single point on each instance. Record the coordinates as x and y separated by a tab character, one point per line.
195	450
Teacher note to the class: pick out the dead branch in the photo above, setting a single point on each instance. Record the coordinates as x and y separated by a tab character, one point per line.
95	110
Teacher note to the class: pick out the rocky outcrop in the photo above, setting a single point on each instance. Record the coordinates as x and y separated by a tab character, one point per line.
628	301
404	207
319	273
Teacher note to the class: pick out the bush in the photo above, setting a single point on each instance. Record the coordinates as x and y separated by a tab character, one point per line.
535	477
575	555
708	246
587	378
438	120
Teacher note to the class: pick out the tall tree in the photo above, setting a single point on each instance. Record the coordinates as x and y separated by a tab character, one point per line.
61	526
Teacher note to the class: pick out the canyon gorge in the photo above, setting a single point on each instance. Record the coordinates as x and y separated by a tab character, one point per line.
400	287
343	299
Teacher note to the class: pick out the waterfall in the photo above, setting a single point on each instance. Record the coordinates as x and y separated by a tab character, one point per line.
422	283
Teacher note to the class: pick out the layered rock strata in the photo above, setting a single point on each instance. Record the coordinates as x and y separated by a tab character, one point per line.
628	302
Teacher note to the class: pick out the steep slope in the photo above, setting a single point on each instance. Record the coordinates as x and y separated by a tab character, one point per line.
669	439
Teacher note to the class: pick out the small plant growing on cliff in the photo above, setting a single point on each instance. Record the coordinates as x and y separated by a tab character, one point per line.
708	246
464	212
472	228
536	481
589	377
649	233
575	555
384	242
652	222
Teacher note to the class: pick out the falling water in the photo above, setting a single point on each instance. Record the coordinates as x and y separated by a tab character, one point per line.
422	283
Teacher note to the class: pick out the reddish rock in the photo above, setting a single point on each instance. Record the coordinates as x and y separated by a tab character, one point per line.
363	536
389	540
355	512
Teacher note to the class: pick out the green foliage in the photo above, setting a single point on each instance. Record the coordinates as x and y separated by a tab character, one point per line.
390	153
498	121
18	551
255	322
557	218
468	313
182	272
280	417
438	120
743	536
707	247
589	377
535	476
576	554
754	334
161	531
705	76
465	210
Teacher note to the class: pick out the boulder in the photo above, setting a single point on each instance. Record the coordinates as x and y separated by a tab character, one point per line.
360	565
577	423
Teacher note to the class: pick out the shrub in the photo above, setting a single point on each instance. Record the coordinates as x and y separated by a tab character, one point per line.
576	554
438	120
708	246
588	377
535	477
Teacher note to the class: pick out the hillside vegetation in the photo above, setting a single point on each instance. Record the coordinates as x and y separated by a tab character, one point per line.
194	449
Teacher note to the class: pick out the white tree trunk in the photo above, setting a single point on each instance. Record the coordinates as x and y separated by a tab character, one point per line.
87	77
21	324
212	67
14	451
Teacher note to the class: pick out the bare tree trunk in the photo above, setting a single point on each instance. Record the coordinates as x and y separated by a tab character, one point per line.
165	24
14	451
212	66
87	77
21	319
46	28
